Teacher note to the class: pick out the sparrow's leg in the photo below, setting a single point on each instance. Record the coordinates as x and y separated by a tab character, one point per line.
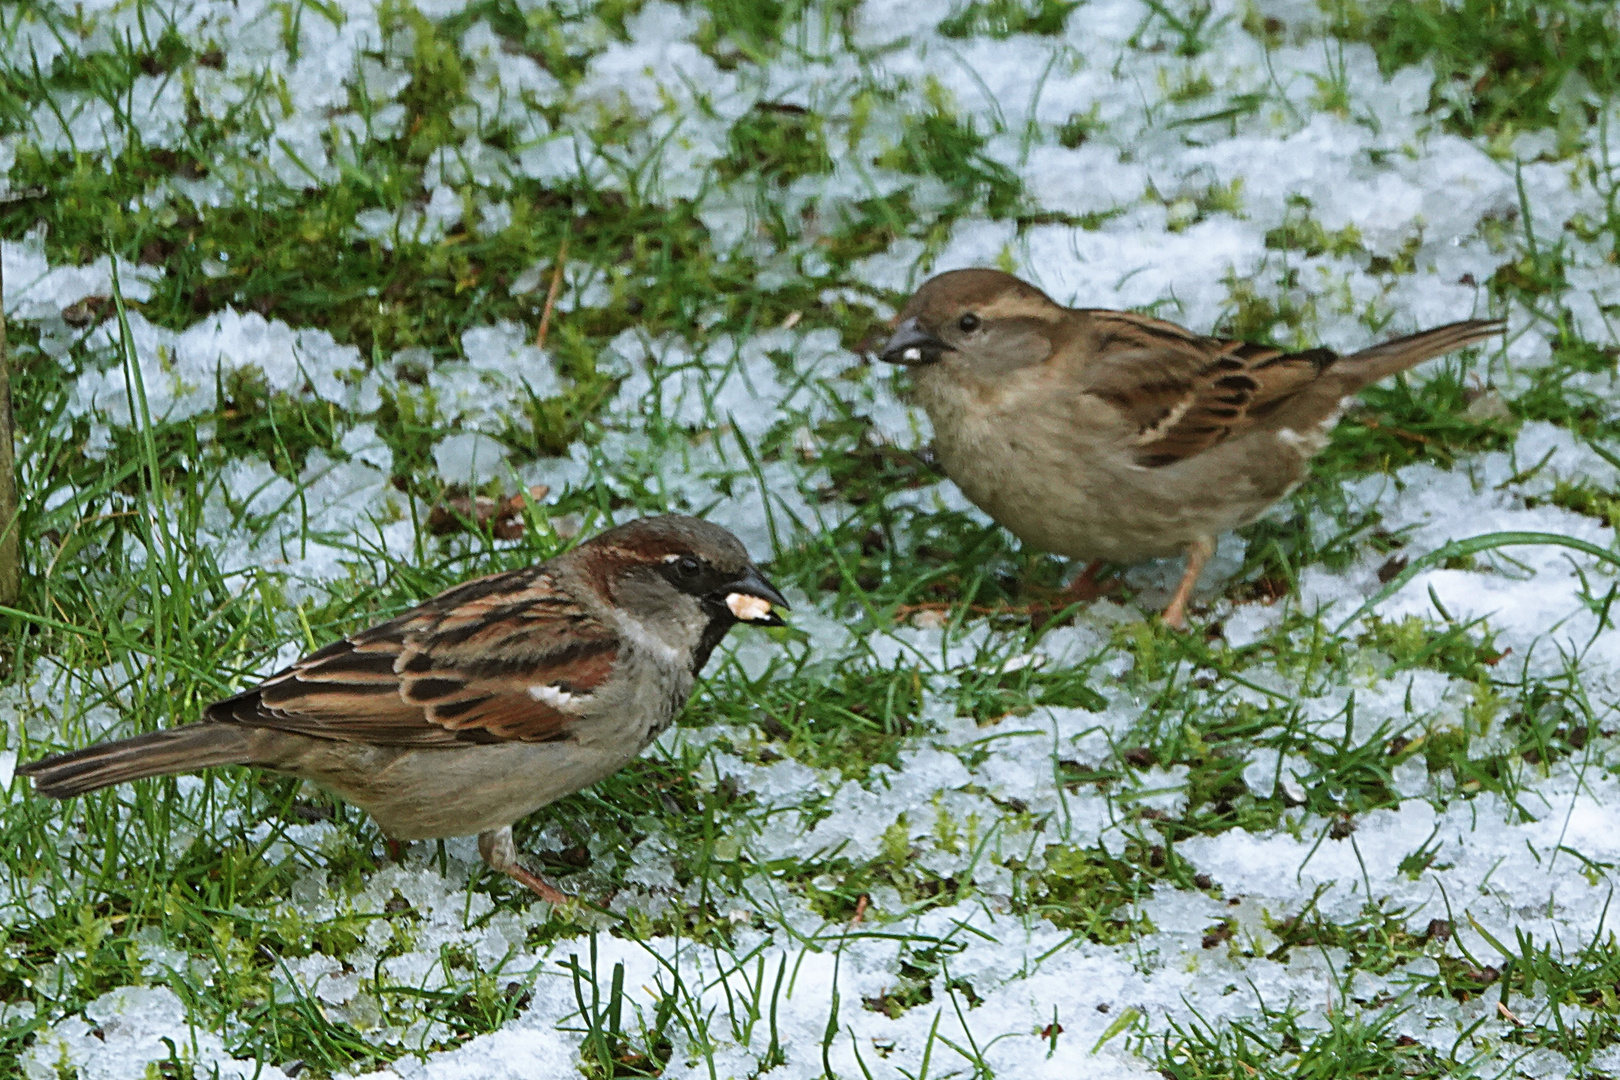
1084	587
501	855
1198	553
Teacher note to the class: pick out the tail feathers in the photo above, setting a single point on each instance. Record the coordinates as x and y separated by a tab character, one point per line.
177	750
1370	365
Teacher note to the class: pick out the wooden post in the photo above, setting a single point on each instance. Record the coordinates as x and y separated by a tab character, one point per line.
10	565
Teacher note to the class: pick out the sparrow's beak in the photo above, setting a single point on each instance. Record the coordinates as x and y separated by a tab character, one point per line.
912	345
752	599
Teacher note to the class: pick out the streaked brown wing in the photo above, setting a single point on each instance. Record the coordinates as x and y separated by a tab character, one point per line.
510	657
1186	393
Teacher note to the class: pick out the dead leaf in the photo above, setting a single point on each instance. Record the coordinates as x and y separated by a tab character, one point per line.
503	517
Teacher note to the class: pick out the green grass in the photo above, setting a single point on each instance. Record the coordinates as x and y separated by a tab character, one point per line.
1002	18
1532	55
1278	1046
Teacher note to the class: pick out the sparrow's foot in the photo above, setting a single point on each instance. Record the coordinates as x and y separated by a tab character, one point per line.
1198	553
1085	587
536	884
500	854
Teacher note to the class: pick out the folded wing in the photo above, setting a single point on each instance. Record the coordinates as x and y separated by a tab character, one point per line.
510	657
1186	393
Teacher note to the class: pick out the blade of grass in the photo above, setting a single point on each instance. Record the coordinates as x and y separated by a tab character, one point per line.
1458	549
10	567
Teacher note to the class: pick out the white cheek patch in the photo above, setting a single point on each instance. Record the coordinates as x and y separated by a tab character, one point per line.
748	608
557	697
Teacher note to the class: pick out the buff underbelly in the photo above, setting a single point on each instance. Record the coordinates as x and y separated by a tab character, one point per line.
1113	509
421	794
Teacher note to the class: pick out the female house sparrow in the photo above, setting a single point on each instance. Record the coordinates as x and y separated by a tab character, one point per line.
1104	435
485	703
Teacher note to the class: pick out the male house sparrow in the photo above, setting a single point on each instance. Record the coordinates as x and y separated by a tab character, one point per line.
485	703
1104	435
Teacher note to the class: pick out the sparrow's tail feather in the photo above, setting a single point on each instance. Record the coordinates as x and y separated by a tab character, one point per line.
177	750
1370	365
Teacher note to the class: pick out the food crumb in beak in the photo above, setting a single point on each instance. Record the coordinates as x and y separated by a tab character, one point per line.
912	353
748	608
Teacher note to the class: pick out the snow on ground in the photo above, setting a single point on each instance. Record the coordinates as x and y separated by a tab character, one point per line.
1378	164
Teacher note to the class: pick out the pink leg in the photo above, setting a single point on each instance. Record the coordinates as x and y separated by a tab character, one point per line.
501	854
1198	553
1084	587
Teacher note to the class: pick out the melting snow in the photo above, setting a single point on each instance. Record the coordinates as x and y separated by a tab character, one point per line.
1380	167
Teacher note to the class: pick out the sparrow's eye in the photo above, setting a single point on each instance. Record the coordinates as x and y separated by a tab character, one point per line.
968	323
688	567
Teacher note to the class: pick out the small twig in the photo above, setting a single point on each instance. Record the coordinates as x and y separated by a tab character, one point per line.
1034	609
860	910
551	295
911	609
1400	433
1507	1014
904	610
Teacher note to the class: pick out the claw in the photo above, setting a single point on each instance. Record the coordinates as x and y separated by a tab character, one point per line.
500	854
